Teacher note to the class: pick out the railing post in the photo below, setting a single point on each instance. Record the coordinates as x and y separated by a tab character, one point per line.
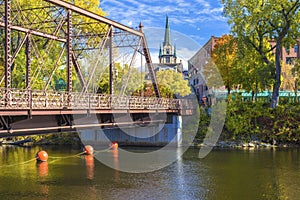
62	100
46	99
89	100
99	100
30	103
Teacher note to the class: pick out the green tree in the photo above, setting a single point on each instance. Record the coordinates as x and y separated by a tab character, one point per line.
129	80
257	21
172	83
44	51
253	75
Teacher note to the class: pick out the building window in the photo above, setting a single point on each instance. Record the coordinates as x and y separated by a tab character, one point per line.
167	59
289	60
296	48
167	51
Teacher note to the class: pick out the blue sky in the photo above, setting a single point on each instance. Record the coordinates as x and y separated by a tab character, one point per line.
192	22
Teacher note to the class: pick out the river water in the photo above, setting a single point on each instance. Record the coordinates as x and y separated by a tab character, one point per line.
223	174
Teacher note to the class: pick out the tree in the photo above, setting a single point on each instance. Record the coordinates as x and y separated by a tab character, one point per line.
172	83
38	15
224	55
296	75
252	74
129	80
258	21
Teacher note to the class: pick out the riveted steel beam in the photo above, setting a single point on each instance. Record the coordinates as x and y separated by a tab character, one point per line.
28	63
34	32
7	56
94	16
69	55
111	62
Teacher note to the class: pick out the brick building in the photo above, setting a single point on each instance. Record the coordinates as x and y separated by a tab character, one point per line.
196	65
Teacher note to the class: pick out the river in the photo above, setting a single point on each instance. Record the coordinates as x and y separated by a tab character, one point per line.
223	174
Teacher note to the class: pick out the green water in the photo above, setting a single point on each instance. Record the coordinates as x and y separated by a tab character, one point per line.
223	174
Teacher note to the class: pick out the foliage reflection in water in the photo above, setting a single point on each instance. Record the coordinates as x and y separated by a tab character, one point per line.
223	174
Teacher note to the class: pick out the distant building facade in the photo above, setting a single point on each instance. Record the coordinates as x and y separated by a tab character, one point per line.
167	54
196	66
288	55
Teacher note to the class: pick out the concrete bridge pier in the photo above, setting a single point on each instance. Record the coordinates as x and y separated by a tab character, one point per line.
152	134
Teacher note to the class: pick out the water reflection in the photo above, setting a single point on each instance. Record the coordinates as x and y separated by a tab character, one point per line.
42	169
89	163
115	155
223	174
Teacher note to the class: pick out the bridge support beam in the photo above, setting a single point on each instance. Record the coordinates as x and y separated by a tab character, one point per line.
28	63
69	56
155	134
7	55
111	62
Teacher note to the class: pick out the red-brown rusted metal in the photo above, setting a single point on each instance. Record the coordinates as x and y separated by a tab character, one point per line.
59	26
149	63
69	56
7	51
111	62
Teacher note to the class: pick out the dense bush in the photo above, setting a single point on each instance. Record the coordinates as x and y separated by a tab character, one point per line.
246	121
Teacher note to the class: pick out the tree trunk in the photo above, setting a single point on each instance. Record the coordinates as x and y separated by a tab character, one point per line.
275	95
296	92
228	90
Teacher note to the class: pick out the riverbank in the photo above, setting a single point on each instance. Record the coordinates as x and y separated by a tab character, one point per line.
255	124
71	139
252	144
74	140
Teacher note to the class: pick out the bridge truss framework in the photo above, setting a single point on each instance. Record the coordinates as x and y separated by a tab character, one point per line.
69	31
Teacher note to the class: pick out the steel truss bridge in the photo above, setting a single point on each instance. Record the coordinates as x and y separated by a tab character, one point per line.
35	32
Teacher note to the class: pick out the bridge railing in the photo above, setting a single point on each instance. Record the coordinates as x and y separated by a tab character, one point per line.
31	99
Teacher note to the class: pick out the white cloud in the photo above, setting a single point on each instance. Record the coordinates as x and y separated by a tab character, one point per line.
181	11
192	21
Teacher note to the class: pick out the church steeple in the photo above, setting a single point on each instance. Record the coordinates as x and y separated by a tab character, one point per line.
166	55
160	54
167	33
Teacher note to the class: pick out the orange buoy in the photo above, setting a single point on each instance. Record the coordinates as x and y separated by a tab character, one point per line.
41	156
88	150
114	145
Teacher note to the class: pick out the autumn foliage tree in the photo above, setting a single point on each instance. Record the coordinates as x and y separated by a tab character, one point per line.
224	56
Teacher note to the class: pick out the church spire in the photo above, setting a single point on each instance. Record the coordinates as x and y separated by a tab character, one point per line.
160	53
175	51
167	33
